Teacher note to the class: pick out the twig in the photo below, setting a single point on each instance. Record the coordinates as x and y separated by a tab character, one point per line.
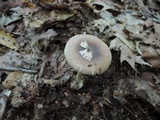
42	69
101	105
18	69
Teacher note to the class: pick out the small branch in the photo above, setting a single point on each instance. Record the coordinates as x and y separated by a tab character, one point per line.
101	105
42	69
18	69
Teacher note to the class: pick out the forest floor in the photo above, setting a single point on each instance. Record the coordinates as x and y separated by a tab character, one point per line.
35	77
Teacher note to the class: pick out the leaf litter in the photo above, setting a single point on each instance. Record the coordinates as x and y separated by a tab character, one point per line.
7	40
36	75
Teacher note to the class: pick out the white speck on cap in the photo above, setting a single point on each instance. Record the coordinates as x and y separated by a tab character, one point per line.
86	52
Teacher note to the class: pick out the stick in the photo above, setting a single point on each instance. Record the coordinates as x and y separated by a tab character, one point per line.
18	69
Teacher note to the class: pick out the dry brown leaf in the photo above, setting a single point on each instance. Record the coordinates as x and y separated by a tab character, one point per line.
152	55
150	52
6	39
103	4
134	29
49	1
153	39
108	17
126	53
17	97
156	27
4	95
61	15
126	41
155	62
140	61
129	19
11	79
48	34
14	78
118	28
101	24
13	3
15	59
17	101
29	4
36	23
37	19
6	20
148	23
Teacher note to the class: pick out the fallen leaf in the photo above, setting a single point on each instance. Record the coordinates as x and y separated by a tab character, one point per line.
124	39
14	78
156	27
15	59
152	56
48	34
16	101
49	1
148	23
153	39
101	5
25	12
6	39
38	19
5	20
29	4
134	29
17	97
36	23
13	3
126	53
11	79
4	95
101	24
139	60
129	19
117	28
108	17
61	15
138	47
150	53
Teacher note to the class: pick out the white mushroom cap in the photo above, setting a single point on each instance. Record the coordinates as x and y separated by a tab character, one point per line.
88	54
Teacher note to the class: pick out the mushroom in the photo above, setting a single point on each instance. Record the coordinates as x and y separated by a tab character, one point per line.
88	55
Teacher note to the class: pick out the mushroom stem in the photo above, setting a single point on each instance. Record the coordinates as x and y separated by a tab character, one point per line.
79	79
